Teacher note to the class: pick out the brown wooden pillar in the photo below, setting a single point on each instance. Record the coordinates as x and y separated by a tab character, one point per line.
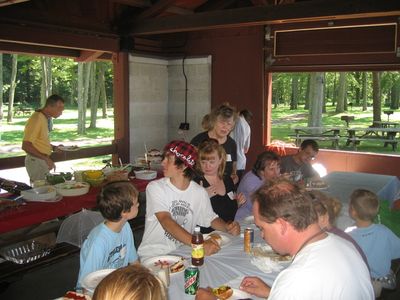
268	109
121	106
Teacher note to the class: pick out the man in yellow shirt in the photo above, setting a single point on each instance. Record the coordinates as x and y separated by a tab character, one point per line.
36	142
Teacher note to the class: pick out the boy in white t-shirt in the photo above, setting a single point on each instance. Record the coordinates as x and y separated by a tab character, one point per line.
176	204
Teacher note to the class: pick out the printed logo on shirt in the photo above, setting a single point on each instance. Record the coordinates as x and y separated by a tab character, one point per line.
181	212
116	256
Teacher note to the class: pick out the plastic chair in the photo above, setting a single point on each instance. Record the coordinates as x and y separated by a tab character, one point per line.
77	227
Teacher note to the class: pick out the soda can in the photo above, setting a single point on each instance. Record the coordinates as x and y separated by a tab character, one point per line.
192	280
248	239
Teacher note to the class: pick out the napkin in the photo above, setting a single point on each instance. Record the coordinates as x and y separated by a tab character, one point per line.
266	265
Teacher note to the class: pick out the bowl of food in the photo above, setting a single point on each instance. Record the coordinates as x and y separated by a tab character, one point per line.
54	178
72	188
95	182
118	175
146	174
93	174
43	193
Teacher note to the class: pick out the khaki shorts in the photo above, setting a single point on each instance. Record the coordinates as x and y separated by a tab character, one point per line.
37	168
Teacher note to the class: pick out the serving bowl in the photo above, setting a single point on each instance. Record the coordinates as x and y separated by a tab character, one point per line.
72	188
43	193
93	174
54	178
146	174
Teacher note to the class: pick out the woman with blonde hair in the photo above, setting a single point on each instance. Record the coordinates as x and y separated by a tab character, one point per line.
220	187
134	282
217	125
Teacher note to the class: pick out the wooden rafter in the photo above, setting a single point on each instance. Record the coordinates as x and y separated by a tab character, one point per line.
86	56
215	5
156	9
9	2
250	16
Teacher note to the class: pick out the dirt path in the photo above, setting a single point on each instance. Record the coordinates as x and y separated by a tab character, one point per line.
292	118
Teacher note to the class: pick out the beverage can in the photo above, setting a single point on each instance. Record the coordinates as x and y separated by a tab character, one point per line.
192	280
248	239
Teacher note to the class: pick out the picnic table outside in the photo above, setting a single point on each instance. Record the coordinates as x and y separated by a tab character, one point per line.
385	135
384	124
318	134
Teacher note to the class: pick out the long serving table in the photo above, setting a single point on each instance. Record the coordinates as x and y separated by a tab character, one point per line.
342	184
229	265
34	213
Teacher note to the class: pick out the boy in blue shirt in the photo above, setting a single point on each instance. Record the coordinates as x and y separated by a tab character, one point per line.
379	243
110	245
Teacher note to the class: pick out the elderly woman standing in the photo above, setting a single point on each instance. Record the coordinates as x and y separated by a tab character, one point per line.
220	188
218	124
265	169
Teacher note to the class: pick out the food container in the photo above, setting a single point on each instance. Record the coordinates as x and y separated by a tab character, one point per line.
146	174
119	175
72	188
93	174
54	178
42	193
25	252
125	167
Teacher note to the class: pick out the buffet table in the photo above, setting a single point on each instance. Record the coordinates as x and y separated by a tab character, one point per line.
228	266
32	213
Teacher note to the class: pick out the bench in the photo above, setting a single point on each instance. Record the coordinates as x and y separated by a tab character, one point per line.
301	137
356	141
23	111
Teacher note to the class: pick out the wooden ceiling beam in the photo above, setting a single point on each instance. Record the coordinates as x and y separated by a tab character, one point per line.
215	5
52	38
37	50
147	3
251	16
156	9
86	56
9	2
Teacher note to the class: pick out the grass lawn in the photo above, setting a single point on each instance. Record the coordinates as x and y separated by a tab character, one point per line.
284	119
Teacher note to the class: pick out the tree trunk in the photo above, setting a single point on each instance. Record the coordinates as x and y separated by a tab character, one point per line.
295	92
1	86
316	99
102	88
341	92
13	84
80	99
376	96
395	95
46	85
307	97
364	92
94	96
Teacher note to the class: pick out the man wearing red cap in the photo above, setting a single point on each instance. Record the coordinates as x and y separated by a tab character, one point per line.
176	204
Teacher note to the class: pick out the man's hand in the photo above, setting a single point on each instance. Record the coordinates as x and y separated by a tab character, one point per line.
211	247
205	294
255	286
233	228
241	199
51	165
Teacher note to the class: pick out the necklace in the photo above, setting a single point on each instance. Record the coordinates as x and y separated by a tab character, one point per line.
307	241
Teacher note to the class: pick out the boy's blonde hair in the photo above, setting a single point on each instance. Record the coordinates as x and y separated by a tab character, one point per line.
133	282
365	203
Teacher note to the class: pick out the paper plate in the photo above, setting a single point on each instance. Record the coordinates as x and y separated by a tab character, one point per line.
238	294
91	280
155	262
225	238
55	199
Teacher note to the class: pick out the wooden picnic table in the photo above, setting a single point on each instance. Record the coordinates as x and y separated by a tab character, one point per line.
317	133
386	135
384	124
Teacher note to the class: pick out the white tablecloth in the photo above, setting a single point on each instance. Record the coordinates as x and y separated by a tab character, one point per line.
342	184
229	265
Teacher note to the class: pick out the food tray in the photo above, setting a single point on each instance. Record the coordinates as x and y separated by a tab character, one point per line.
23	253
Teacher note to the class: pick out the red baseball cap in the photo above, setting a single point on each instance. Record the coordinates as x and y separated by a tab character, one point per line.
184	151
